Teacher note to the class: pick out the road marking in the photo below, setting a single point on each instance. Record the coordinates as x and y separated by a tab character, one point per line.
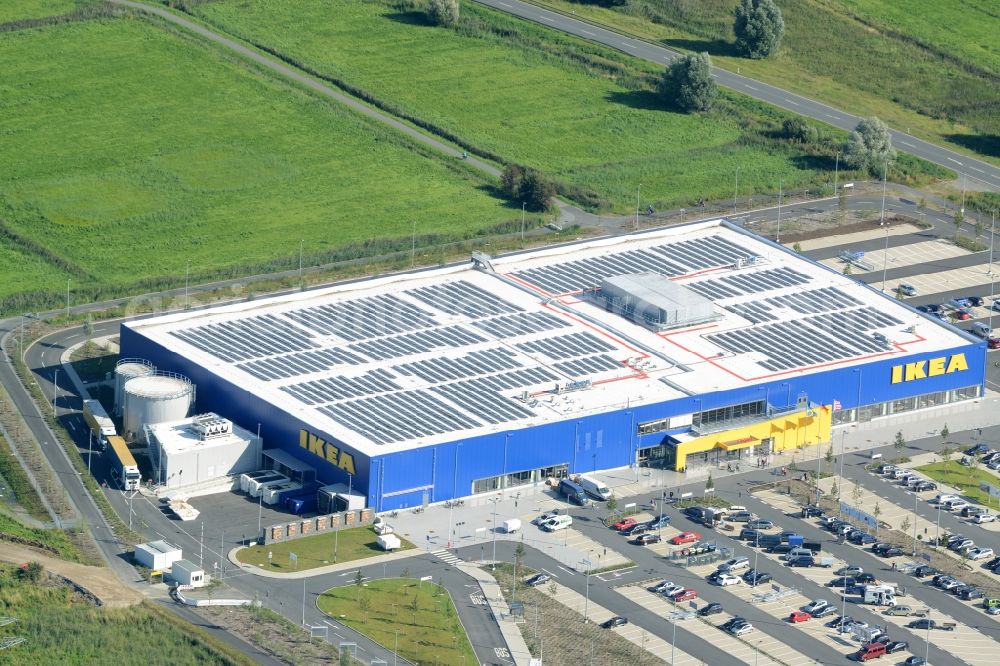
72	427
977	170
830	115
747	85
552	574
952	159
791	101
907	143
502	652
587	32
503	4
628	45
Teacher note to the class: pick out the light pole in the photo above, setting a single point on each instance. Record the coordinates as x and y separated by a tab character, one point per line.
494	500
187	278
937	529
736	190
836	172
260	514
885	257
914	524
927	639
301	244
993	228
885	171
90	448
522	222
840	476
303	602
637	189
586	605
777	236
413	245
673	640
67	297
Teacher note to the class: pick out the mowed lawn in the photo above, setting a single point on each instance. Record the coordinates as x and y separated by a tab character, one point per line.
964	478
583	114
354	543
418	617
930	67
15	10
129	151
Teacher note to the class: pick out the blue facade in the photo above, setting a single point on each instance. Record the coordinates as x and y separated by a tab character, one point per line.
585	444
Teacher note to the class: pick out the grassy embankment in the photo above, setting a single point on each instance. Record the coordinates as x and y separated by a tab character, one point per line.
61	628
21	10
354	543
930	67
586	115
420	617
132	150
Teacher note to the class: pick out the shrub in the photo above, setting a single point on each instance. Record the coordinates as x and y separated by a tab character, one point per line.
758	27
443	12
688	85
798	130
869	147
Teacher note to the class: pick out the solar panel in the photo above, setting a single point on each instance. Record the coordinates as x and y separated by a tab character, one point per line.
815	300
398	417
522	323
252	337
588	365
566	346
753	312
472	364
301	363
330	389
363	318
462	297
753	282
417	342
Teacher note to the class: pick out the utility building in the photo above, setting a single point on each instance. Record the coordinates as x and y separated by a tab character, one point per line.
681	347
199	450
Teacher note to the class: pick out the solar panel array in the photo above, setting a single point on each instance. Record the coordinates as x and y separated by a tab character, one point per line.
809	341
482	396
362	318
566	346
330	389
755	312
473	364
815	300
522	323
242	339
398	417
300	363
748	282
588	365
462	297
418	342
672	259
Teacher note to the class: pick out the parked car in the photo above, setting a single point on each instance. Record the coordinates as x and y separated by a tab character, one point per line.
861	538
760	524
815	605
727	579
658	522
914	661
624	523
971	511
755	577
713	608
666	587
632	530
904	610
742	630
735	564
892	552
870	651
825	612
842	581
976	449
906	289
684	595
799	616
747	534
976	554
802	561
616	621
924	486
961	544
993	343
865	578
685	537
545	517
924	570
810	511
646	539
538	579
971	593
741	517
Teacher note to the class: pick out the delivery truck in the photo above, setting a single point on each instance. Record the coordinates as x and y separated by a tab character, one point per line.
100	423
594	488
389	542
511	525
123	466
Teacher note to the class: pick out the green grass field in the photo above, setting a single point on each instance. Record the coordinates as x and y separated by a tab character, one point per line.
57	540
582	113
354	543
130	151
964	478
427	633
16	10
932	67
63	630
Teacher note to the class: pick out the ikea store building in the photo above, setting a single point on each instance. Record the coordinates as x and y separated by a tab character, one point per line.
680	347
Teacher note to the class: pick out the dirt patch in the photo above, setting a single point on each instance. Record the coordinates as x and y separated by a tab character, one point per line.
819	231
97	583
271	633
566	640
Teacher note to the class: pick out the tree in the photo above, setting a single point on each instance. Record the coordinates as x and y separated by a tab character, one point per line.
842	205
958	219
688	84
798	130
414	606
899	444
835	491
944	433
980	228
877	511
829	455
88	328
847	269
857	493
510	181
365	604
905	526
612	502
31	572
797	247
358	582
869	147
537	190
709	483
443	12
758	27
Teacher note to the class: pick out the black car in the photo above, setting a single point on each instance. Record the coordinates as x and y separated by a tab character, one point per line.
842	581
977	449
864	579
914	661
802	561
896	646
693	512
892	552
879	547
638	528
922	623
924	486
860	538
838	621
825	612
970	593
810	511
658	522
975	301
750	535
710	609
992	563
646	539
755	577
537	580
734	622
780	548
615	621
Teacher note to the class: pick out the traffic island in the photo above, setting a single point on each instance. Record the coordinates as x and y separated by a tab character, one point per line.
415	619
320	550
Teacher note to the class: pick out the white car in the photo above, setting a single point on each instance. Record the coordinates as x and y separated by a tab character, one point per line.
942	498
815	605
984	518
735	564
727	579
743	630
979	553
957	506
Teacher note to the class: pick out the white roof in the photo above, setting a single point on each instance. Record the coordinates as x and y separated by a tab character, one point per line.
409	360
161	547
179	436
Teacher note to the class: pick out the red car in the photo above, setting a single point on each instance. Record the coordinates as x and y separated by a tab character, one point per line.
993	343
961	315
684	595
685	537
799	616
624	523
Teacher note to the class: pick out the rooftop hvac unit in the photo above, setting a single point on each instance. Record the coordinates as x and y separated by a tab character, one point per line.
208	426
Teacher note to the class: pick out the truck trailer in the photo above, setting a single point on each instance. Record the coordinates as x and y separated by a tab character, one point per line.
123	466
100	423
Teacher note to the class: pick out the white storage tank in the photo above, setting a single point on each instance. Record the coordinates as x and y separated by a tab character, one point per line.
156	398
126	369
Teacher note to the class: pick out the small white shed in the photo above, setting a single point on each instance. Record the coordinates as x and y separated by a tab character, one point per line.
157	555
188	573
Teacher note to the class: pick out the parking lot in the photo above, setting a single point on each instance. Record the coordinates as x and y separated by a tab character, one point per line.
922	253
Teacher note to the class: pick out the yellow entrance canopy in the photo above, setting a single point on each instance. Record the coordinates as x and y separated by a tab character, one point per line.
741	443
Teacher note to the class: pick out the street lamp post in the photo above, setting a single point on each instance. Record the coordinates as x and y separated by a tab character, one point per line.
187	277
494	500
777	236
55	390
840	476
522	221
836	172
586	606
260	514
67	297
301	244
637	189
914	524
736	190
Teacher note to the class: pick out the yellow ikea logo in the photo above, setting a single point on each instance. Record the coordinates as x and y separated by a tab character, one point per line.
941	365
326	450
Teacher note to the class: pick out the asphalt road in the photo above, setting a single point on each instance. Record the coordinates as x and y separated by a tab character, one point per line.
987	173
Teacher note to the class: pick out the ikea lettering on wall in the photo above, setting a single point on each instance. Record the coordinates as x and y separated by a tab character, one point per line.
933	367
325	449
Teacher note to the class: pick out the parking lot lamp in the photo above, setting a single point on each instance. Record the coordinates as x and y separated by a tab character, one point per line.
927	639
494	500
673	639
777	236
663	499
55	390
260	513
586	605
914	524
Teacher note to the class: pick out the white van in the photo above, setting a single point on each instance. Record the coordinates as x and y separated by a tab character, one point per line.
797	552
595	489
981	329
557	523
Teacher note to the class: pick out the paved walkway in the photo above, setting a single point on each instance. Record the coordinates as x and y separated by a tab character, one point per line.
501	612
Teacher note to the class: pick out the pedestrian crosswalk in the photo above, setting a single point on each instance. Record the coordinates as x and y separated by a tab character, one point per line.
446	556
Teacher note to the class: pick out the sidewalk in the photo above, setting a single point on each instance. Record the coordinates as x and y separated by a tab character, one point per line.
501	613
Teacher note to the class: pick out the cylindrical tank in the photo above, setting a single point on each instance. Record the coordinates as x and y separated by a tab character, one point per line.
126	369
156	398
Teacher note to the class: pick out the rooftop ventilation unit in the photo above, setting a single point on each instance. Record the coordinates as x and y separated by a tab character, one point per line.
209	426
